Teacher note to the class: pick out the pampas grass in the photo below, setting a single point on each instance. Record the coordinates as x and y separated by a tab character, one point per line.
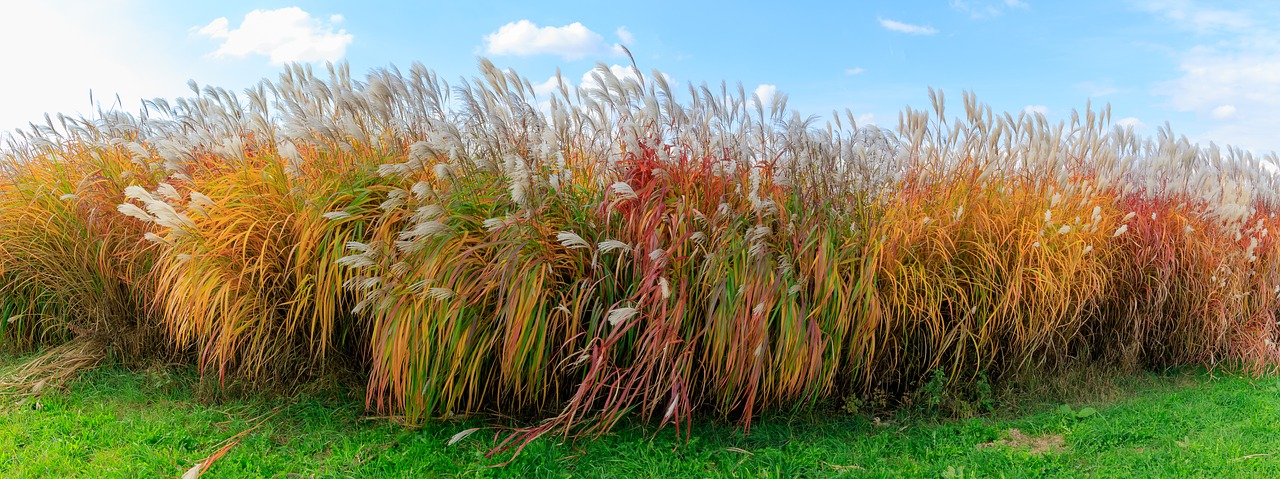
626	249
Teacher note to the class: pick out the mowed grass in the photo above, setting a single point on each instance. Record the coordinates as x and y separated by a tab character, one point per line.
115	422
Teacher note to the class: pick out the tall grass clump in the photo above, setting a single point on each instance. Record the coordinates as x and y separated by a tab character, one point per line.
70	266
628	248
1196	277
249	236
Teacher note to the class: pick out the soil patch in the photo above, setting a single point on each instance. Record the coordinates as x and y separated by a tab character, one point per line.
1045	443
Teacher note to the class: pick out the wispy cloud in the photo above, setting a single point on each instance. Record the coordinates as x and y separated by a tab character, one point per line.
1130	122
625	35
283	35
1201	19
1223	112
547	87
854	71
765	92
907	28
979	9
1032	109
570	42
1232	76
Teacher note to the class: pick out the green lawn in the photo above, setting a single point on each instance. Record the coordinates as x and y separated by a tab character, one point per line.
119	423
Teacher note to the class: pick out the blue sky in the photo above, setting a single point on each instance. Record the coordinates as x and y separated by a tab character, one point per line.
1210	69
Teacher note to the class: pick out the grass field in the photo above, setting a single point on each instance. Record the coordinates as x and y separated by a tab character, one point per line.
114	422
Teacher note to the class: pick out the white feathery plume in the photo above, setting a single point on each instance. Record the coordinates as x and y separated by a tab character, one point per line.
410	247
439	293
197	209
421	190
168	191
166	216
200	199
608	246
391	204
139	193
155	238
427	213
133	211
699	237
657	254
617	315
356	261
442	171
492	224
369	283
418	286
623	190
571	240
428	229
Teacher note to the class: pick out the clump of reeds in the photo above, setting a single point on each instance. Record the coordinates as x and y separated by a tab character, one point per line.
71	266
626	248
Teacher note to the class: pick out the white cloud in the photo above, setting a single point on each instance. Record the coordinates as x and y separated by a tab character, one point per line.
907	28
547	87
1032	109
217	28
1187	15
625	35
867	119
571	42
979	9
283	35
854	71
1231	77
1131	122
766	92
